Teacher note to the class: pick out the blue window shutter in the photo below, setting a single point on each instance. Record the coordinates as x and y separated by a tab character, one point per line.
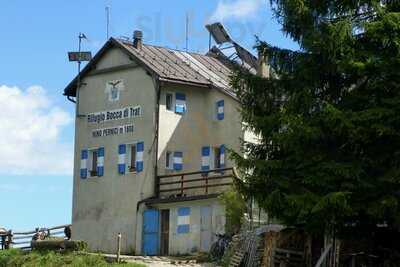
178	161
180	103
139	156
84	157
222	156
205	158
100	161
220	110
121	158
183	220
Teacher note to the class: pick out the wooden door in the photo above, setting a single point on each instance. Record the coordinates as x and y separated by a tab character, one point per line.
150	232
205	228
164	232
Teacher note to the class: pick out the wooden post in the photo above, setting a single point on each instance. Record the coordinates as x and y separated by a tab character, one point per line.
3	241
182	177
353	261
308	251
9	239
207	184
337	253
271	241
118	247
329	241
158	187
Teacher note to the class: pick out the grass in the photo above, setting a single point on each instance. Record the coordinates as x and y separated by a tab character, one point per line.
17	258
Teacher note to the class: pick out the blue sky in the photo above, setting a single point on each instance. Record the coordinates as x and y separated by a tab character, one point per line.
36	121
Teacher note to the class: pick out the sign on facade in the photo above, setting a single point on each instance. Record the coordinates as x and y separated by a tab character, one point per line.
113	89
114	115
118	130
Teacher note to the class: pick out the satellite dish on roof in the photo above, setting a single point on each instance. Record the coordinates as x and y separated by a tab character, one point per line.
219	33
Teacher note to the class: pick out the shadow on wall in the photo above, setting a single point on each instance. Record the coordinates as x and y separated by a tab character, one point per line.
187	133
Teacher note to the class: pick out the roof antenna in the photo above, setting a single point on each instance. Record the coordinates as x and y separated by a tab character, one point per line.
187	32
107	20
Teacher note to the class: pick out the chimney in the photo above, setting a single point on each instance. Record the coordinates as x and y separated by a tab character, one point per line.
137	39
263	67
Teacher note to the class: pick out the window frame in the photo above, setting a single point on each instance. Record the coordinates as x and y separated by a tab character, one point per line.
172	107
216	153
169	160
92	171
128	160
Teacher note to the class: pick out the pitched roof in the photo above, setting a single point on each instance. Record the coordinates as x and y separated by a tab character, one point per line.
170	65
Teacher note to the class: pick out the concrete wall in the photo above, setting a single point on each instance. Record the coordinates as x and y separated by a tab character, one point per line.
186	243
104	206
198	127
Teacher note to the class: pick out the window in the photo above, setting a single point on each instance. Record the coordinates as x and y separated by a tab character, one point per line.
93	160
132	158
168	102
217	158
130	155
168	160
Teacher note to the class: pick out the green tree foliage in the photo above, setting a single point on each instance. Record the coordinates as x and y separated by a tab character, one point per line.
328	117
235	208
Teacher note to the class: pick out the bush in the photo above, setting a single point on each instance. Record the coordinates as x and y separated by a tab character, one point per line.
7	255
235	207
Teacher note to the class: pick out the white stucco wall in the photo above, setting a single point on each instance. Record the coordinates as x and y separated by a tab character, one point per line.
198	127
187	243
105	206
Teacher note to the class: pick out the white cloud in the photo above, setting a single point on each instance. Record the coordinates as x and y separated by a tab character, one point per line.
30	127
236	9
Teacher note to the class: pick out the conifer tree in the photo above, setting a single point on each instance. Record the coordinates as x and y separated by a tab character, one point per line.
327	118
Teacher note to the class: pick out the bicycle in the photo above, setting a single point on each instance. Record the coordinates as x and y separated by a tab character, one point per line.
218	247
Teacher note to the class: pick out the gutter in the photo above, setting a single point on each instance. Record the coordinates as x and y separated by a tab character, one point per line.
158	91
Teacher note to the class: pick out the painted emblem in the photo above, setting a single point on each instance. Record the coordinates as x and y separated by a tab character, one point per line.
113	89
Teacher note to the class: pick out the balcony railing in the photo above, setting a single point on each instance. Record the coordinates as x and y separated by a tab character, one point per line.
195	183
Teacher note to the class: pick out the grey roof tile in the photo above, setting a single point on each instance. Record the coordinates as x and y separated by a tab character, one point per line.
174	66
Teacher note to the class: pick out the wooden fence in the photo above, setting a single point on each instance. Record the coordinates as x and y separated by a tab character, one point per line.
22	240
195	183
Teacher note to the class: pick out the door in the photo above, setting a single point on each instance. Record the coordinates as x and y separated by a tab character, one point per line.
205	228
150	232
164	248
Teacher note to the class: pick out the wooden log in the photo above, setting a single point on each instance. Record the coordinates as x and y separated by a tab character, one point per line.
269	248
58	244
